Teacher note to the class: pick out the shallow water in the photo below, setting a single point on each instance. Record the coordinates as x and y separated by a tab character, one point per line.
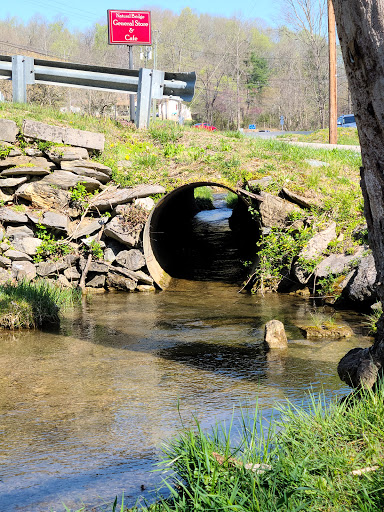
84	409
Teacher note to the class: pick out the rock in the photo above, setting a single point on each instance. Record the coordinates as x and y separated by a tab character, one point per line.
117	196
145	288
6	197
63	281
8	215
99	267
50	268
337	263
17	255
8	130
358	368
316	163
55	221
33	152
66	180
317	245
5	262
120	282
72	273
44	196
109	255
29	245
359	285
302	201
97	281
63	135
274	334
117	230
275	211
90	173
327	331
59	153
132	260
12	182
86	164
5	276
314	248
147	203
14	233
26	171
4	246
23	270
24	162
87	227
260	183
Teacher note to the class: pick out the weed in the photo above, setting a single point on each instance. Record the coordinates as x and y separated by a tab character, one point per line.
166	133
50	248
374	317
4	152
96	250
79	197
28	304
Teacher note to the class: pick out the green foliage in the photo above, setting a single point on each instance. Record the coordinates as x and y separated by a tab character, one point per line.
277	251
166	133
203	198
4	152
231	199
171	150
45	145
374	317
96	250
307	457
33	304
50	248
79	196
258	73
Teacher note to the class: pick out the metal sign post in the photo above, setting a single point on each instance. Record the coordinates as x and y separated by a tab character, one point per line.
282	122
134	28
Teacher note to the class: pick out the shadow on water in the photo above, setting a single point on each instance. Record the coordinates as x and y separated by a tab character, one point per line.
85	408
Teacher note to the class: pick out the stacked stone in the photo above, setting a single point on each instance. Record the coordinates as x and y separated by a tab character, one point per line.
41	180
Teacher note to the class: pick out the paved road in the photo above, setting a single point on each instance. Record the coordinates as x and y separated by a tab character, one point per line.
271	135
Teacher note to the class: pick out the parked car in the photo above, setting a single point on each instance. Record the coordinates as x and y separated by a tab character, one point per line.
347	121
205	126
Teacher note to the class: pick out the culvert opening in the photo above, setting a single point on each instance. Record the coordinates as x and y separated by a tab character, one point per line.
186	239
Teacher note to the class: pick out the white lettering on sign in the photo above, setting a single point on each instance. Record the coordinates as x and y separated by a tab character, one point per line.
123	23
130	15
139	24
130	38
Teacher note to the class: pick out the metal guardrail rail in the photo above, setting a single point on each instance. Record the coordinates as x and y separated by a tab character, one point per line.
147	83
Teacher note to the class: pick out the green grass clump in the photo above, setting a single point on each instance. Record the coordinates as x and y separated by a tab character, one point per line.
166	133
203	198
308	458
231	199
345	136
33	304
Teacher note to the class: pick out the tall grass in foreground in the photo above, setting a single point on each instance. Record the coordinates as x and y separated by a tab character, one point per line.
309	461
33	304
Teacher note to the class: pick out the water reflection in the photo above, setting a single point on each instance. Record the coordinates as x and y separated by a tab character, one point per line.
84	409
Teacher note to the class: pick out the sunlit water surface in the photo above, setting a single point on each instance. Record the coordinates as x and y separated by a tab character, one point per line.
84	409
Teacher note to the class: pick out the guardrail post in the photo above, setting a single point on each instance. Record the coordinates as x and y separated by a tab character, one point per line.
22	74
151	85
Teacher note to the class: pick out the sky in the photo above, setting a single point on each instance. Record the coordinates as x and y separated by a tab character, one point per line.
81	15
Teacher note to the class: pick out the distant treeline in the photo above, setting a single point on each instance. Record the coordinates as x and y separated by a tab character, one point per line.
247	72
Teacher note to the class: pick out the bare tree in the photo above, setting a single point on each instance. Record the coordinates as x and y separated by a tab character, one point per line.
360	26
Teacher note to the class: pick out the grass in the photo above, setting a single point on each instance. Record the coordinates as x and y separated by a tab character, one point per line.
33	304
345	136
203	198
308	458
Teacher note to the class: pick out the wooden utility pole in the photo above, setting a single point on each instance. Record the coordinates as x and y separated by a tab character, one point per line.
332	74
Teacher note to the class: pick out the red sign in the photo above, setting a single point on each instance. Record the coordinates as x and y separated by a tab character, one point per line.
129	27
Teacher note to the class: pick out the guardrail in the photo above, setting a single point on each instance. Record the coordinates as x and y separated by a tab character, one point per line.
148	84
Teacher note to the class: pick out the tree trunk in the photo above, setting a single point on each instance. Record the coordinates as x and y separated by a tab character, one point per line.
360	26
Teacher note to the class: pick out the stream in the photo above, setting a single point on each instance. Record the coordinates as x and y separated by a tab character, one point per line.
85	408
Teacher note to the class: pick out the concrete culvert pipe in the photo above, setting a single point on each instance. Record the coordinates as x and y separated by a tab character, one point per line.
167	232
